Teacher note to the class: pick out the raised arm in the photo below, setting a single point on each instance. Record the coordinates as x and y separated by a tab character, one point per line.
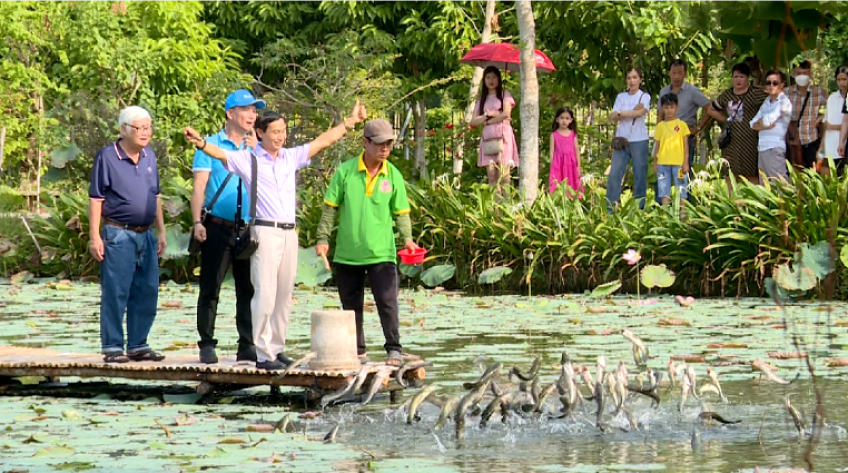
357	115
200	143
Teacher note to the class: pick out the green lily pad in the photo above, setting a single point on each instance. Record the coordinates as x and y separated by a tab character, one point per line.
843	255
605	290
177	242
436	275
817	258
797	279
493	275
409	270
61	157
57	451
657	276
310	268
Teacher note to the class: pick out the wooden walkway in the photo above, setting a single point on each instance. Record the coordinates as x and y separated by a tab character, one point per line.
22	361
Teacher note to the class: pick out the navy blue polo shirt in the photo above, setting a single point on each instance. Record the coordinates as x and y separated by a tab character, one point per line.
128	190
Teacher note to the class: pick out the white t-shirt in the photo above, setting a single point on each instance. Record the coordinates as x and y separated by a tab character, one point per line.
833	116
625	102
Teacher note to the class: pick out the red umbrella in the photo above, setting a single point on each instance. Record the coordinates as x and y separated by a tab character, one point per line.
504	56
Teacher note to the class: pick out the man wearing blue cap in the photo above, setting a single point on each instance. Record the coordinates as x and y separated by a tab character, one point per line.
215	225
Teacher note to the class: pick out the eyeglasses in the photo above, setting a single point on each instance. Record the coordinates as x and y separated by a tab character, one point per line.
773	82
141	129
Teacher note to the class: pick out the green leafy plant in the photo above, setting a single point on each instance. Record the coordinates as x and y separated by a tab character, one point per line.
493	275
656	276
310	268
436	275
605	290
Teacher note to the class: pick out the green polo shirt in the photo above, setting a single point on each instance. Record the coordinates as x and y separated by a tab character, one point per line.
367	206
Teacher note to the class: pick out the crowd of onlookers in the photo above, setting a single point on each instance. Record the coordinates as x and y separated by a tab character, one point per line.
765	129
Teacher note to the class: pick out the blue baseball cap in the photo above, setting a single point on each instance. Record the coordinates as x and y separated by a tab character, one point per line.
243	98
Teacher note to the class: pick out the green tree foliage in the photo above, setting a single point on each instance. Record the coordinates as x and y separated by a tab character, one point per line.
594	43
89	59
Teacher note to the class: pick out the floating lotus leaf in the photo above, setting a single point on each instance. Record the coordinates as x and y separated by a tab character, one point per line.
59	158
493	275
408	270
605	290
657	276
177	242
797	279
310	268
436	275
817	258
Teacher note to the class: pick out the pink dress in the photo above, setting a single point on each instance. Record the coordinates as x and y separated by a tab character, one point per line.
509	156
564	164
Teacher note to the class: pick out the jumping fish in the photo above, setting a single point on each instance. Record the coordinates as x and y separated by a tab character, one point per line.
490	372
349	387
601	372
534	370
599	401
690	373
377	382
447	409
409	366
331	435
713	416
796	417
282	426
685	387
304	359
587	380
672	373
540	402
640	350
649	392
490	409
419	397
766	370
712	380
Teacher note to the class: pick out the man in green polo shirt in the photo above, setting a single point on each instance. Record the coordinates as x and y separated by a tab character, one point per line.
368	192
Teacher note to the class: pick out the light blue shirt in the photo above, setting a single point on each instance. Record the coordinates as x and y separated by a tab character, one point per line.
777	113
225	206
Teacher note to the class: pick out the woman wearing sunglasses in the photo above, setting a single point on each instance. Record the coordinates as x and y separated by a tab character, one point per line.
772	122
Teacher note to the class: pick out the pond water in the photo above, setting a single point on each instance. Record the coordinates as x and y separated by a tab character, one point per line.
451	331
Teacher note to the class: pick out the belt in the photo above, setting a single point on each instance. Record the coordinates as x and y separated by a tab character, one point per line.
115	223
275	224
220	221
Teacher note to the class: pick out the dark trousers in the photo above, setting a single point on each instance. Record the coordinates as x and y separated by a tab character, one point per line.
809	151
216	255
384	286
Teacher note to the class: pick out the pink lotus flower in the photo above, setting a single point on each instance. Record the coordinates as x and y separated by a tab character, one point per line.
632	257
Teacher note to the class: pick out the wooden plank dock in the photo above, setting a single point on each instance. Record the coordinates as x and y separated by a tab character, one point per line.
23	361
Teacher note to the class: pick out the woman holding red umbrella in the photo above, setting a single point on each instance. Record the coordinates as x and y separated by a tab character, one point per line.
498	150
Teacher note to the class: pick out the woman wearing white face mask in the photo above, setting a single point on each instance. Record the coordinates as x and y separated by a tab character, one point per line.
806	100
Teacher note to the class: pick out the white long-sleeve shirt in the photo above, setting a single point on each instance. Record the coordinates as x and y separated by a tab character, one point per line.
774	112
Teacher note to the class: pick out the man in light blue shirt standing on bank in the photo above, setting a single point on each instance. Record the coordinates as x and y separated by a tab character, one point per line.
772	122
215	226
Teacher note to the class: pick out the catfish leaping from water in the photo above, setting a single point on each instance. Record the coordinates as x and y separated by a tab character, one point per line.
640	350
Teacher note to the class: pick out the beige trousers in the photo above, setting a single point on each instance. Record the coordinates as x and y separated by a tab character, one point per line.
272	271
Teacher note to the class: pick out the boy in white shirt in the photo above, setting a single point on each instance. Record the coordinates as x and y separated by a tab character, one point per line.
772	122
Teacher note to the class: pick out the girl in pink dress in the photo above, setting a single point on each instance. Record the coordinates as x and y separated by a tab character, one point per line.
565	154
493	112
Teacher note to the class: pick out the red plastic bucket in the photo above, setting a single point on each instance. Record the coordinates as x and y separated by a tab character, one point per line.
412	257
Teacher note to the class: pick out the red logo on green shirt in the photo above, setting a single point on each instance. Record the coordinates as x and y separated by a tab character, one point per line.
385	186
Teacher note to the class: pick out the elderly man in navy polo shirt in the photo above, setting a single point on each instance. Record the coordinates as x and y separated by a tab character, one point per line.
124	191
216	231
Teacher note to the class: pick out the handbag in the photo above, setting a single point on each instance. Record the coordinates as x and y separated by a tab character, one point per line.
619	142
194	244
493	139
793	137
247	239
724	137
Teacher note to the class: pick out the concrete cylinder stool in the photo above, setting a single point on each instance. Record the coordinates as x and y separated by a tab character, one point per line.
334	340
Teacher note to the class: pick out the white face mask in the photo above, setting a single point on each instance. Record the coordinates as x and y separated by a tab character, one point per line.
802	80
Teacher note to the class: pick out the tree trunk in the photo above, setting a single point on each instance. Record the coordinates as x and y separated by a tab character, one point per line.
529	151
2	143
476	79
420	160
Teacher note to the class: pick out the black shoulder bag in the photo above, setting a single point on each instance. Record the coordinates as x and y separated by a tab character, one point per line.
193	244
247	241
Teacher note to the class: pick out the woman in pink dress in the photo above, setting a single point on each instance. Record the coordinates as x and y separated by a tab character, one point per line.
565	154
493	112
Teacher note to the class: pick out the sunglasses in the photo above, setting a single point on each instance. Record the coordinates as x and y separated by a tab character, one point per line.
773	82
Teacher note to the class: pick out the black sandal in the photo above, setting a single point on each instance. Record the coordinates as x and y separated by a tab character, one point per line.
116	358
145	355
